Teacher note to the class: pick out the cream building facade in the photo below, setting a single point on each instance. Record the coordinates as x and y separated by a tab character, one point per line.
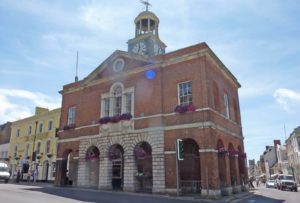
293	153
33	144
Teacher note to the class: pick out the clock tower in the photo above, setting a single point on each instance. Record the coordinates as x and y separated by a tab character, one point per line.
146	41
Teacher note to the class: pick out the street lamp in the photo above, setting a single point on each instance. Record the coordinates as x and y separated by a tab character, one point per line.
33	157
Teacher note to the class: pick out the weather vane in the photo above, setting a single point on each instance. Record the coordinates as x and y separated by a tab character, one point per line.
146	3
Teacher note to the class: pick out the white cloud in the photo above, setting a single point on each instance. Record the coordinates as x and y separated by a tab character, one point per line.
15	103
288	99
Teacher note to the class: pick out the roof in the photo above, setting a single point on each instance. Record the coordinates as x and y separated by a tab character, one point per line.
146	14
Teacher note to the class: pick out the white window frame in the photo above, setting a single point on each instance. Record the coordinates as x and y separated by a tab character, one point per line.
71	115
41	128
111	98
15	150
18	132
26	152
38	147
30	130
189	96
48	142
50	121
226	105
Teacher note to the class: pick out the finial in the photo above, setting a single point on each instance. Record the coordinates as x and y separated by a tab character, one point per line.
146	3
76	76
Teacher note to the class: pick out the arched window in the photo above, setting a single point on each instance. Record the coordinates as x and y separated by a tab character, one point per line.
118	101
226	105
48	147
38	148
15	150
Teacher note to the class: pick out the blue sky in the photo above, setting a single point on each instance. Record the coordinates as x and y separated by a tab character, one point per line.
258	42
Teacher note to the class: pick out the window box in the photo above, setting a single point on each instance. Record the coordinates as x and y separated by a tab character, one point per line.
70	126
115	119
182	108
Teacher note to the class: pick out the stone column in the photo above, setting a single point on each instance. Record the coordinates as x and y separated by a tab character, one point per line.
129	171
105	173
238	179
82	179
158	171
210	182
74	172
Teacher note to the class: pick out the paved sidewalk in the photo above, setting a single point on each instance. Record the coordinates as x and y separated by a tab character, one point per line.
195	198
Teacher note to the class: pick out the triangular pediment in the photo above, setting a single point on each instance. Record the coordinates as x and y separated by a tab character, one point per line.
107	68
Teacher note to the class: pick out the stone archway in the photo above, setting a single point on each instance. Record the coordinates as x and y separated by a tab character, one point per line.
143	160
189	168
116	156
222	153
232	163
92	166
241	163
63	175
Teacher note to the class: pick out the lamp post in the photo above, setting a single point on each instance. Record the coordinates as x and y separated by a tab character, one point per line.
33	157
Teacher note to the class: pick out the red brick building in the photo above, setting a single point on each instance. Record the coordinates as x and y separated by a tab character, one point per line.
119	125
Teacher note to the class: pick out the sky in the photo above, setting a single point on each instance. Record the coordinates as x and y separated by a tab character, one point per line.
259	42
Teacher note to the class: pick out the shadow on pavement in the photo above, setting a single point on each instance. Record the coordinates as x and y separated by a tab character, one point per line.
95	196
260	199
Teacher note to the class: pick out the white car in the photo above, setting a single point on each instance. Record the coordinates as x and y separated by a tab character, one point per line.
270	183
4	174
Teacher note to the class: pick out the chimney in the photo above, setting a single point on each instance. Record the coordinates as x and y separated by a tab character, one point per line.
40	110
276	142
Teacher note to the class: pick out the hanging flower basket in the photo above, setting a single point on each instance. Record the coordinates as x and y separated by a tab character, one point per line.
140	152
91	156
182	108
222	151
242	155
233	152
114	154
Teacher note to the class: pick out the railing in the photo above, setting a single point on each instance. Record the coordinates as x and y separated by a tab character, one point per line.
190	186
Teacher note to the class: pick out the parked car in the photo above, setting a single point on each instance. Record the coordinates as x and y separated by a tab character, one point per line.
4	174
270	183
286	182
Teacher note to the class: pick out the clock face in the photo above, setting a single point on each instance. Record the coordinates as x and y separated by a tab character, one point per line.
139	48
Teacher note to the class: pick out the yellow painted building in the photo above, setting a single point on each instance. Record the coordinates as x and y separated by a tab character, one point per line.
33	144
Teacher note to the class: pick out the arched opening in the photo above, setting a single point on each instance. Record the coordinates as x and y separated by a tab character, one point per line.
189	168
143	158
116	155
65	169
241	162
232	153
92	166
222	153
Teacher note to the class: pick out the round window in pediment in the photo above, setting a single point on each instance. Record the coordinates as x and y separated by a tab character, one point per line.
118	65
